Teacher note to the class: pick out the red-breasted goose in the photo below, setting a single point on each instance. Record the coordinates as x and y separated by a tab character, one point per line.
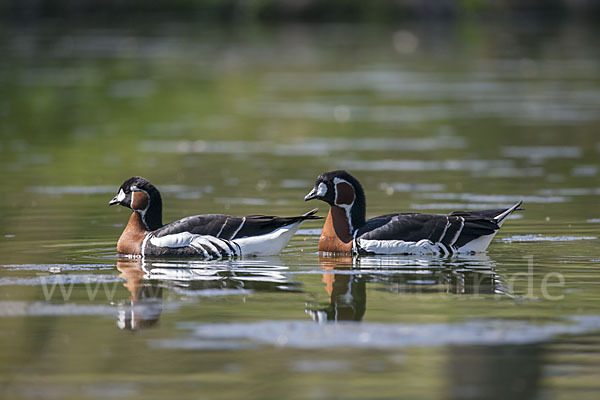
207	236
347	231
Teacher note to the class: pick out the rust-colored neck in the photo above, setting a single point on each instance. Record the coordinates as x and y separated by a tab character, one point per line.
335	237
132	237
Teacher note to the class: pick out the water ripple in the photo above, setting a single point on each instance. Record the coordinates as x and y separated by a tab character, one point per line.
541	238
54	268
310	147
309	335
422	165
541	152
21	308
496	198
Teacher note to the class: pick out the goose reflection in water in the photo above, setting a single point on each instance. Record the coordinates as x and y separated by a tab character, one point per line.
200	277
347	291
466	274
146	281
145	298
346	278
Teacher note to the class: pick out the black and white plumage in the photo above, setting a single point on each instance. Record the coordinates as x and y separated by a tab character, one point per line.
206	236
347	230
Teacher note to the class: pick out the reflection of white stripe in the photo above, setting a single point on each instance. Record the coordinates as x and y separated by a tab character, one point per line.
238	229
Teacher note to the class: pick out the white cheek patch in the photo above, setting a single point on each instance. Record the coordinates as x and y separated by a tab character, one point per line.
121	195
322	190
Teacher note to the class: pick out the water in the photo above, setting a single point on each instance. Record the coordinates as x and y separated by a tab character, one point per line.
241	122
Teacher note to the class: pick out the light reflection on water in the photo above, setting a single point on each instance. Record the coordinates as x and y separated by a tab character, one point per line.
301	334
519	113
316	146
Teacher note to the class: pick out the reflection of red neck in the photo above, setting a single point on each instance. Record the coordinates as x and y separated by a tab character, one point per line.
132	237
335	237
133	276
331	263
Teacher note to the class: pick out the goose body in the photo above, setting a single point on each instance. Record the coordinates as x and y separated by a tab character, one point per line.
205	236
346	229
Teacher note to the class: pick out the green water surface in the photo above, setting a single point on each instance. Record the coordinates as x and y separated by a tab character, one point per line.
241	121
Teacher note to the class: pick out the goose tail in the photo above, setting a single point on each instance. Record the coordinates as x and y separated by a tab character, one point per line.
310	215
502	216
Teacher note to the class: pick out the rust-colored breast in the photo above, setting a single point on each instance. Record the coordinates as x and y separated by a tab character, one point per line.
335	237
132	237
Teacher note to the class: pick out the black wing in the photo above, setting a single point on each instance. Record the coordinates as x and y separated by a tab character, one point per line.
455	229
407	227
475	224
229	227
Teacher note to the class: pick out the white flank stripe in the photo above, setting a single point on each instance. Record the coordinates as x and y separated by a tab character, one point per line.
182	239
206	255
222	245
238	229
204	242
263	245
457	235
424	246
221	230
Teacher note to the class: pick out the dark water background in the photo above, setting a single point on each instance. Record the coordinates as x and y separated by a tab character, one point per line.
240	120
